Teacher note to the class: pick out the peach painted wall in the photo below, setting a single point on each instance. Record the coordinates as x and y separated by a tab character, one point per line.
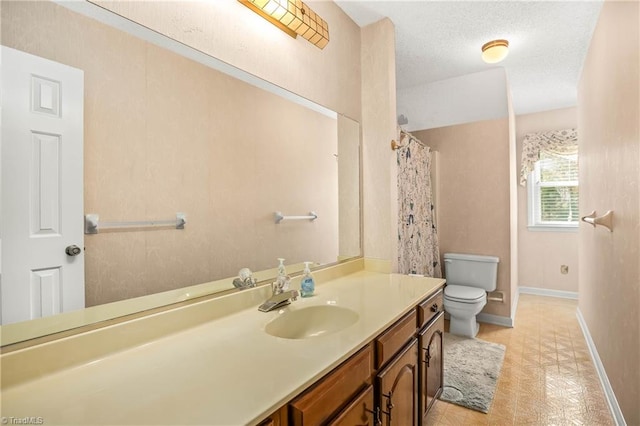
379	128
164	134
609	129
354	75
542	253
355	71
234	34
474	212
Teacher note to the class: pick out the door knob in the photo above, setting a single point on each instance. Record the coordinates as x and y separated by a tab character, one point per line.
73	250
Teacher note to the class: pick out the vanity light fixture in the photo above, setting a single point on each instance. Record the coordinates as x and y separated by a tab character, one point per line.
293	17
495	51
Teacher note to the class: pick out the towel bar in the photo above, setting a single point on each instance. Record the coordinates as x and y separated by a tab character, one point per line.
92	223
279	217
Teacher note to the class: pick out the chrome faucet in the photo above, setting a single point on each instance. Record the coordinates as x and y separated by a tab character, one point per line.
279	300
246	283
245	279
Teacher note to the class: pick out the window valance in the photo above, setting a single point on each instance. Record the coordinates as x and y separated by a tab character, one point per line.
556	142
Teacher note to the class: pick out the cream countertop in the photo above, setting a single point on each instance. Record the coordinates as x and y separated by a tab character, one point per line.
224	372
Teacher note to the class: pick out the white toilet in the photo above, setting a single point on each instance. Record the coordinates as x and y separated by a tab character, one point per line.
469	278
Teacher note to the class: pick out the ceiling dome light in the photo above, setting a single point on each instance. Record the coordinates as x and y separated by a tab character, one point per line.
495	51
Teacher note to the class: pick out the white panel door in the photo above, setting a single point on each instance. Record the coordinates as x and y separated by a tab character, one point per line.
42	173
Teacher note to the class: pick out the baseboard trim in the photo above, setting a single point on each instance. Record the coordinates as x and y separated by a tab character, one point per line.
548	292
602	374
495	319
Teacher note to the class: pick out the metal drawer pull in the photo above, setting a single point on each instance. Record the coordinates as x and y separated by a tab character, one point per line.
434	307
376	415
389	405
427	356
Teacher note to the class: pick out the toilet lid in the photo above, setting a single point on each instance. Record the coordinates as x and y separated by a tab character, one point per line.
460	293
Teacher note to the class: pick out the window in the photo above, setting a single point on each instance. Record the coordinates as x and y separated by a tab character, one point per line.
553	192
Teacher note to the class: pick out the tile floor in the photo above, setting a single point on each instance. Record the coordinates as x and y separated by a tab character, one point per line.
547	377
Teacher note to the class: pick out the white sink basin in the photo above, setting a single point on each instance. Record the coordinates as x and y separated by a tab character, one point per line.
312	321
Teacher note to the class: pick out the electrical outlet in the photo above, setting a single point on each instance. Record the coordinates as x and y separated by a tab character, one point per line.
564	269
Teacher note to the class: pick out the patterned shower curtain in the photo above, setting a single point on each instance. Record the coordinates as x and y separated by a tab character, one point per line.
418	250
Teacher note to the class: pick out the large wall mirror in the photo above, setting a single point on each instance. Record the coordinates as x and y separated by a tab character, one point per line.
160	133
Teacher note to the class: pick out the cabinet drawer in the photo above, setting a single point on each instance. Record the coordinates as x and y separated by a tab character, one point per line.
392	340
317	404
429	308
360	412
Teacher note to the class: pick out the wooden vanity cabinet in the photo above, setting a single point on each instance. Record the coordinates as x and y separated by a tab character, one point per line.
393	381
430	342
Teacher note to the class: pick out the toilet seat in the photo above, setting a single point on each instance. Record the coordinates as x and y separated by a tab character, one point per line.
464	294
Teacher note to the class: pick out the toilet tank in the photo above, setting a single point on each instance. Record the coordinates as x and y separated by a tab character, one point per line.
471	270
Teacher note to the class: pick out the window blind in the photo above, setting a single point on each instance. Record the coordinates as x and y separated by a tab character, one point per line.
557	190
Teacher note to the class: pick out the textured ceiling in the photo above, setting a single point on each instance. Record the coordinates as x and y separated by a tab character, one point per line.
438	40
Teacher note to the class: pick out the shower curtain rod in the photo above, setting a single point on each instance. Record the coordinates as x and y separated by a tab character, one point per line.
395	145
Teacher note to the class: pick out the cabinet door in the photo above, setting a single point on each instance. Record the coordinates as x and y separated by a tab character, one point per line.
397	388
431	366
359	413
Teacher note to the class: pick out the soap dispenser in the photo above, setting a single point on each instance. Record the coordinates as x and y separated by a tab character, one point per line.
308	285
282	280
